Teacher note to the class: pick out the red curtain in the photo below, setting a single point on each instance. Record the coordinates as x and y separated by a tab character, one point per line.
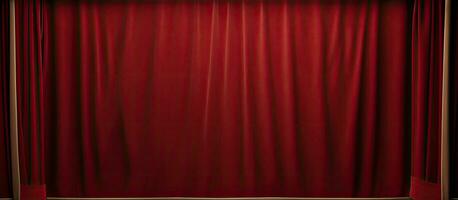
427	51
5	184
227	98
454	100
230	98
29	44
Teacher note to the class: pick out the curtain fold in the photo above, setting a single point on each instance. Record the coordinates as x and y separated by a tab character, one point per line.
5	177
227	98
427	55
29	59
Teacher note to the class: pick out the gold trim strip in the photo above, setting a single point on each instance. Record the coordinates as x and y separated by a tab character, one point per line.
13	106
445	106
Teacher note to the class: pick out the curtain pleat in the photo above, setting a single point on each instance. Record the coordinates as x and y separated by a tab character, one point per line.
427	53
29	67
5	177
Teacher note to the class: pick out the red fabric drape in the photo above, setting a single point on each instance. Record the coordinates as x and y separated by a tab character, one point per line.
230	98
5	181
227	98
29	44
427	51
454	100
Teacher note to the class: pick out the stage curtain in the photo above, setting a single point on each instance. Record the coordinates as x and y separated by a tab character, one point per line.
29	52
232	98
427	52
224	98
5	179
454	100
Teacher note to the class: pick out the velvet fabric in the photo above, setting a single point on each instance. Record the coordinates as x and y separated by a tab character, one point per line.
421	189
29	60
5	166
229	98
427	56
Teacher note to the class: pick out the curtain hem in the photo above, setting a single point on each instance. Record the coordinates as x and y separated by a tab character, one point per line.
33	192
423	190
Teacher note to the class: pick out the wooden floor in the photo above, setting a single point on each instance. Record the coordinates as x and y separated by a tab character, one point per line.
244	198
